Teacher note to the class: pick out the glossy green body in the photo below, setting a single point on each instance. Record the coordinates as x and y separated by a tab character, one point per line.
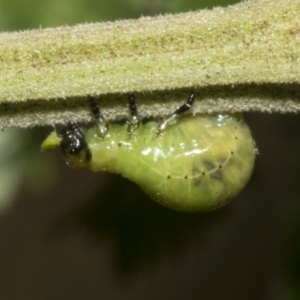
198	164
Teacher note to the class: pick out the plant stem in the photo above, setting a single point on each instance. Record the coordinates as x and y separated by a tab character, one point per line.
240	58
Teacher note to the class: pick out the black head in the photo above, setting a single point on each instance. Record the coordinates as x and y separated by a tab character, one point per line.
74	147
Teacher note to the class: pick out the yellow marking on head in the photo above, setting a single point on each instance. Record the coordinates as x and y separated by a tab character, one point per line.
51	142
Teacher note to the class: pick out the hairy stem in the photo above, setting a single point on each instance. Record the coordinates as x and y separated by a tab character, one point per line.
240	58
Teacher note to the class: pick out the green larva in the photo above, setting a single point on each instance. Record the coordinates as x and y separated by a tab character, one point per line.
187	163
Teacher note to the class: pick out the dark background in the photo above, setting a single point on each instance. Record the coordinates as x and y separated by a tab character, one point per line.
67	234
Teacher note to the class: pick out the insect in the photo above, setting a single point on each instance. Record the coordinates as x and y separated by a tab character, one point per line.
187	162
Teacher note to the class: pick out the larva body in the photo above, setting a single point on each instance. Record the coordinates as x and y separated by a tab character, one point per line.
198	164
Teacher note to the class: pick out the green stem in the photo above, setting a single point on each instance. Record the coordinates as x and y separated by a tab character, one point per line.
240	58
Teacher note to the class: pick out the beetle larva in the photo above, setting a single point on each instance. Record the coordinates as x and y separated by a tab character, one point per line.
187	163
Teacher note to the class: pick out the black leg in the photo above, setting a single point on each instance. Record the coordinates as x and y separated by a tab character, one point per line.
171	119
98	116
186	106
133	122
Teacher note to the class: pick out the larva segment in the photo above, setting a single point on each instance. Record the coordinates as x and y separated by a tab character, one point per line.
191	177
198	164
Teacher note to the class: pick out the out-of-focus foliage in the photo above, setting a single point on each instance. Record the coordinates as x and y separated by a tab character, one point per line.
28	14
